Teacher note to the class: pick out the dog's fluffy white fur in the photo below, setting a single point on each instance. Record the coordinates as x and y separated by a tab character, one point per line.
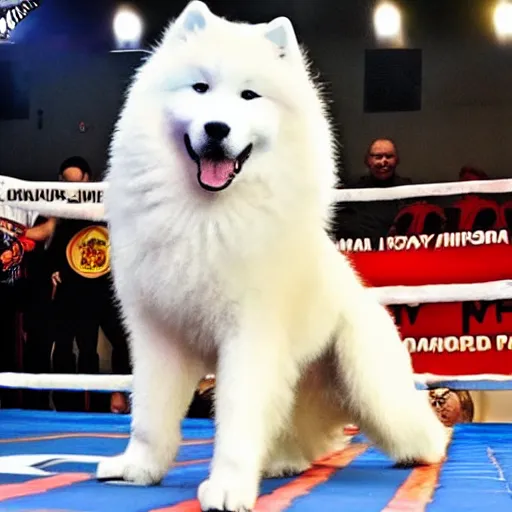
244	281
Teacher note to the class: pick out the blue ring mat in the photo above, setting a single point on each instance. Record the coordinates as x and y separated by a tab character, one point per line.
48	460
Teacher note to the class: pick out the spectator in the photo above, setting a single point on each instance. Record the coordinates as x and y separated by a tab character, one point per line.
382	159
469	173
372	219
84	301
38	312
15	224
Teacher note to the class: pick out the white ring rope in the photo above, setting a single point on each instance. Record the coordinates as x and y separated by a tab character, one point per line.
57	199
123	383
443	293
64	381
348	195
85	201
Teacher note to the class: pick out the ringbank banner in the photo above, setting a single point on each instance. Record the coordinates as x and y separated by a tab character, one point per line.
54	199
16	191
438	240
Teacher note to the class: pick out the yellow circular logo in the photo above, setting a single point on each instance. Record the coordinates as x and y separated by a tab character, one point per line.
88	252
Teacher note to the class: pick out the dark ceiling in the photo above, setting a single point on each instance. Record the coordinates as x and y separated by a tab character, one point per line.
337	17
89	21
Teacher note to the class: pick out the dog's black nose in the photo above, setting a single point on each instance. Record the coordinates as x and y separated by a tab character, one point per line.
216	130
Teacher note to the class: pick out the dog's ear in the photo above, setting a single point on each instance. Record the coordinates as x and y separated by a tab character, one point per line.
194	17
280	32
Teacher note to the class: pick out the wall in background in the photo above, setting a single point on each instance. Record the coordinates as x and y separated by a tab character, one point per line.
65	90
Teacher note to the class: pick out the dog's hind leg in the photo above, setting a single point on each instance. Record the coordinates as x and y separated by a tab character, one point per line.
165	375
374	371
286	458
316	425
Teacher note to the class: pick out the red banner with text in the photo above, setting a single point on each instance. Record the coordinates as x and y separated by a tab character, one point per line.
445	240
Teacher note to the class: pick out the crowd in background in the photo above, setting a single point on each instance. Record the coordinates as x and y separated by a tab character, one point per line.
55	300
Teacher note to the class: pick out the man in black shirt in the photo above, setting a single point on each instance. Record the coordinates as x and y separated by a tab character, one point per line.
84	300
372	219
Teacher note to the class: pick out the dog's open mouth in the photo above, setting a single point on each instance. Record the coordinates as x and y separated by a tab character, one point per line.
214	171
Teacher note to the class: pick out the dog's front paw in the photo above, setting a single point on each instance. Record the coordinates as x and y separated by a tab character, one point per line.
228	492
438	448
430	448
132	466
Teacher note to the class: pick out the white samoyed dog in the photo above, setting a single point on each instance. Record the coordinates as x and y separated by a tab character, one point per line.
220	182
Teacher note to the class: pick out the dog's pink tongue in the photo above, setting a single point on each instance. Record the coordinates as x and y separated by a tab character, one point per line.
216	174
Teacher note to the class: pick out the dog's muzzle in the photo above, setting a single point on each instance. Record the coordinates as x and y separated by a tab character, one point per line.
215	171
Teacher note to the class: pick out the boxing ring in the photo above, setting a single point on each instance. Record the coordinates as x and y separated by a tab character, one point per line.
48	459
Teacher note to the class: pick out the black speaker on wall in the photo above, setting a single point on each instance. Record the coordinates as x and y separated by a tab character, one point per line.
392	80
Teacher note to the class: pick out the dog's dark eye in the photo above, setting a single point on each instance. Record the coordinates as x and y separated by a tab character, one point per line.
249	95
200	87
